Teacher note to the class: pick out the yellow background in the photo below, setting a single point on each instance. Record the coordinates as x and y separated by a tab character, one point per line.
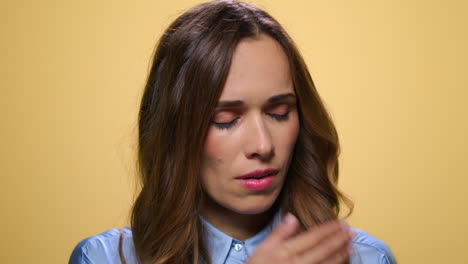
394	75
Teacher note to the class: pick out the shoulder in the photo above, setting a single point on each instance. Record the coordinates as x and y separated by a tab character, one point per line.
104	248
368	249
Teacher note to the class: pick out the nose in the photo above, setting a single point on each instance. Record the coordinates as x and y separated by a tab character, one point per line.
259	143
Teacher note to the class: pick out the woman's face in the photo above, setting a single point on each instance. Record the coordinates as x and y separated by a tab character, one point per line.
254	128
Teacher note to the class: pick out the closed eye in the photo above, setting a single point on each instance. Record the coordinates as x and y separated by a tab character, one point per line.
278	117
225	125
279	112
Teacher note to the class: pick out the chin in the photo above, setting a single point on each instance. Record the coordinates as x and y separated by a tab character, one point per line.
254	206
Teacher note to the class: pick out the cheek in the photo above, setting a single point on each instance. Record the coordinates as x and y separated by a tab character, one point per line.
293	132
215	155
289	136
213	149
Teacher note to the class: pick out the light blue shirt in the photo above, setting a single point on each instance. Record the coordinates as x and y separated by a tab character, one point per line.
103	248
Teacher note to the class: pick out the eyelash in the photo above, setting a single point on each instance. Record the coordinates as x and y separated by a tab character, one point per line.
228	125
284	117
225	125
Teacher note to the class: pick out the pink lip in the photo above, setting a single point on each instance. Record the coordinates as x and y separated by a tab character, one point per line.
258	180
258	174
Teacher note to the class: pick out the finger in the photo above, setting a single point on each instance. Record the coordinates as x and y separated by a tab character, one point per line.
327	247
312	238
288	227
338	257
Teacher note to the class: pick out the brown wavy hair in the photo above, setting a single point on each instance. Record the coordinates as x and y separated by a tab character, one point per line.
189	70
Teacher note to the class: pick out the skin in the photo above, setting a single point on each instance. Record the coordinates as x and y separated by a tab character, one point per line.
326	244
253	135
256	134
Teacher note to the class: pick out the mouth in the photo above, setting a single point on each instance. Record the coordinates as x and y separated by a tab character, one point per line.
258	174
258	180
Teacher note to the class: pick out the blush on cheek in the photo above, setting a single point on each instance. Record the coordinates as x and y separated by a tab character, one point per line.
293	131
211	143
213	150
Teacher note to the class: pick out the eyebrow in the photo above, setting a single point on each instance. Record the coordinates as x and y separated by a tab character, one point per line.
281	97
239	103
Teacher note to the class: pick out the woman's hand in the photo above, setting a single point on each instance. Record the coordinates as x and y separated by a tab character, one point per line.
328	244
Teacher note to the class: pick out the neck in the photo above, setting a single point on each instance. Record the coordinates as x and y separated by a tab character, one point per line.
233	224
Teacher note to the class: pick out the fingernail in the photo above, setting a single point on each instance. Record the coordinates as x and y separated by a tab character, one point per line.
289	219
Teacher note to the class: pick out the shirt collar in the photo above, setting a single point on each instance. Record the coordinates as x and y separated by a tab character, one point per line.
219	244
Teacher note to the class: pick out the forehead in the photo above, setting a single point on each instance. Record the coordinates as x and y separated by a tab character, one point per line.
259	68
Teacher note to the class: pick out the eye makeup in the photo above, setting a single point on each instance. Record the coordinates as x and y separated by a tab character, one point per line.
283	117
277	107
225	125
226	120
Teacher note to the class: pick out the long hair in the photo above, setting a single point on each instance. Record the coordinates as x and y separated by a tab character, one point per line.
189	70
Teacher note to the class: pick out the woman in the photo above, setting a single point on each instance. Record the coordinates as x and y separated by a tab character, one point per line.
237	154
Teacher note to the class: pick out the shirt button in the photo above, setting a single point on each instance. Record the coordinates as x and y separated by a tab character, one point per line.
238	247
